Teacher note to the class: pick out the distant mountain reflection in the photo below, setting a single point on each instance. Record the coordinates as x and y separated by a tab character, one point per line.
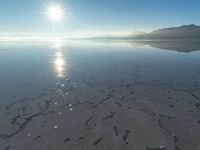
177	45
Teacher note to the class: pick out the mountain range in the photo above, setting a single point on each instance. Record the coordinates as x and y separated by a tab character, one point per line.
184	38
182	32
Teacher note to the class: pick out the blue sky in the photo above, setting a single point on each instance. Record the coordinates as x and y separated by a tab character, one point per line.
26	17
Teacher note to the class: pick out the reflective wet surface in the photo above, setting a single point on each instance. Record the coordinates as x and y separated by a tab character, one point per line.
106	95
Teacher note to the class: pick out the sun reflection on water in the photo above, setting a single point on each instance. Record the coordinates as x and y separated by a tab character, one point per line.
60	62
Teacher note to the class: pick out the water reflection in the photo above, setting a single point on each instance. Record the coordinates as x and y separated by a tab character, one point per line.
188	45
60	63
177	45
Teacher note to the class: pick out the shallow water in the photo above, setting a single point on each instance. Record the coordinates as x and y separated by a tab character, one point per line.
99	95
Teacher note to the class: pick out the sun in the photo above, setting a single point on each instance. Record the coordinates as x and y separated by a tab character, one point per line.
55	12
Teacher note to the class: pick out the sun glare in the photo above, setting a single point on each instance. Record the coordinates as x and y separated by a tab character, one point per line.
55	12
59	62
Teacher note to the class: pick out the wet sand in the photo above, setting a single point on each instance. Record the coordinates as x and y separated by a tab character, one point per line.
59	96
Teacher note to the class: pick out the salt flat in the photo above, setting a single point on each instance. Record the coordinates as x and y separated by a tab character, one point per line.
102	95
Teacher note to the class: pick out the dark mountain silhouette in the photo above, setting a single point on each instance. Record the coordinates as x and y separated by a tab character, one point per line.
185	38
182	32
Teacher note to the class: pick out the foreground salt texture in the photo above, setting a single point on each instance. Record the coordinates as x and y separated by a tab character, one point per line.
115	100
